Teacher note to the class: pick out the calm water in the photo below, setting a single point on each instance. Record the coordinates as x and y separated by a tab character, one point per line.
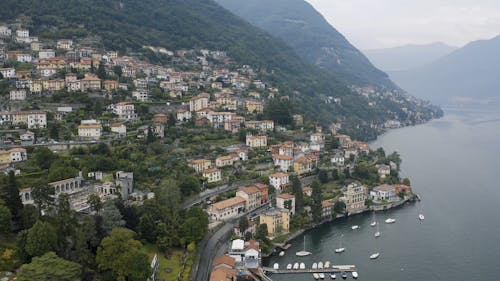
454	166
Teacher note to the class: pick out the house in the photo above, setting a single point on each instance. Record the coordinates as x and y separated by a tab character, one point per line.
317	138
125	183
298	119
307	191
8	72
262	125
384	192
110	85
254	106
91	84
65	44
24	58
232	126
277	221
140	95
199	165
354	197
223	274
13	155
241	154
218	118
348	152
5	31
284	162
338	159
264	192
226	209
383	170
90	131
18	94
256	141
119	128
286	201
344	140
199	102
224	261
125	111
326	209
34	119
223	161
237	250
252	256
212	175
183	115
279	181
27	136
252	197
46	54
303	165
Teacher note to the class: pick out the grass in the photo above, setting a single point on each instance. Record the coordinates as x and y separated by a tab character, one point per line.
173	264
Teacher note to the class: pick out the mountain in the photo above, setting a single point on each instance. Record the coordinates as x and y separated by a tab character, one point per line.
408	56
312	37
467	74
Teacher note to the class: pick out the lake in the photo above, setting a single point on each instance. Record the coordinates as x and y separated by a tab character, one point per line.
453	164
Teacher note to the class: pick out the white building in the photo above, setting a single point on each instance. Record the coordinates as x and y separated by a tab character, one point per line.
46	54
8	72
24	58
18	94
286	201
256	141
125	111
90	131
226	209
383	192
284	162
279	180
338	159
119	128
183	115
140	95
212	175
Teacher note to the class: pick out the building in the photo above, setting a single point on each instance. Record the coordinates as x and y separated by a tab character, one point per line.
140	95
354	197
226	209
199	165
384	192
262	125
18	94
279	181
34	119
125	183
252	196
110	85
13	155
326	209
46	54
24	58
303	165
125	111
338	159
284	162
183	115
254	106
256	141
232	126
65	44
317	138
199	102
224	161
212	175
286	201
119	128
383	170
252	256
90	131
90	84
277	221
8	72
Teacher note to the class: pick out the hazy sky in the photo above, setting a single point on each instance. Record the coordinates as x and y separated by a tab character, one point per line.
387	23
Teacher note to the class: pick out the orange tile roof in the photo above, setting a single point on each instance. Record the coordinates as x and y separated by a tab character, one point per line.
224	260
249	189
228	203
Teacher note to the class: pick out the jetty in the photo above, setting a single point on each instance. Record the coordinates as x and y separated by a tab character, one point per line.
333	269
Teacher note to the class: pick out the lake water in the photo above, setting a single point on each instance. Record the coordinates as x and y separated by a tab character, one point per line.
453	164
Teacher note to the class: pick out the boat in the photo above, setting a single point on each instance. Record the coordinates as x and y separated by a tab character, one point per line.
296	266
354	227
276	266
320	265
303	253
302	265
289	266
377	233
390	220
344	275
421	217
333	276
316	276
327	264
282	253
315	266
374	256
355	275
340	249
374	222
321	276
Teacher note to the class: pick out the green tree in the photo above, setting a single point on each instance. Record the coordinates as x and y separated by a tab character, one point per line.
111	216
147	228
86	242
54	130
123	256
43	196
243	224
261	232
42	238
299	196
101	71
94	202
50	267
9	194
316	201
5	220
406	181
339	208
118	70
150	137
323	176
189	185
43	157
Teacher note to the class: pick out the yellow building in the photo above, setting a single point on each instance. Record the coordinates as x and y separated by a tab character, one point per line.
254	106
5	157
277	221
200	164
303	165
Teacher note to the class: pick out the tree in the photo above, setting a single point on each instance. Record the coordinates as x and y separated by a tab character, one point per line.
42	238
261	232
147	228
316	201
406	181
243	224
42	196
86	242
5	220
50	267
43	157
118	70
123	256
339	208
94	202
150	137
54	130
111	216
9	193
189	185
101	71
299	196
323	176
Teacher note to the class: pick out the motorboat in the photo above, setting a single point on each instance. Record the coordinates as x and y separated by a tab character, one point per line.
276	266
316	276
355	275
390	220
374	256
296	266
327	264
344	275
289	266
421	217
377	233
320	265
302	265
340	249
354	227
373	223
321	276
333	276
282	253
314	266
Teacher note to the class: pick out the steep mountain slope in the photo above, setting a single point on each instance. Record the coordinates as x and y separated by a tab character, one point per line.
312	37
408	56
469	73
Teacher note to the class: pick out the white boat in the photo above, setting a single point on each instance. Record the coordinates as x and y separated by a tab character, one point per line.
321	276
374	256
316	276
315	266
282	253
296	266
354	227
302	265
276	266
355	275
390	220
374	222
303	253
344	275
340	249
327	264
421	217
289	266
377	233
333	276
320	265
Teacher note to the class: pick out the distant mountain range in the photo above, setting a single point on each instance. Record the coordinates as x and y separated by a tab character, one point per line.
408	56
467	75
312	37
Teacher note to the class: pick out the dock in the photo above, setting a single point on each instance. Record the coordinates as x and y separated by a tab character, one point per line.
333	269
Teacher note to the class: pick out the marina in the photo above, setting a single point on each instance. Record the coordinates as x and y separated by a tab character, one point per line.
332	269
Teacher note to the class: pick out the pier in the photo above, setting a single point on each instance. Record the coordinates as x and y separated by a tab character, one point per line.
333	269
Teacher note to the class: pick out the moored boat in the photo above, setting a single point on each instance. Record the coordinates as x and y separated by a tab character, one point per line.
289	266
321	276
316	276
296	266
344	275
282	253
302	265
355	275
333	276
355	227
276	266
421	217
390	220
315	266
327	264
320	265
374	256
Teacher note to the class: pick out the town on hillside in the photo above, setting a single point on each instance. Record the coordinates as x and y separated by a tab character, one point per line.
160	150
